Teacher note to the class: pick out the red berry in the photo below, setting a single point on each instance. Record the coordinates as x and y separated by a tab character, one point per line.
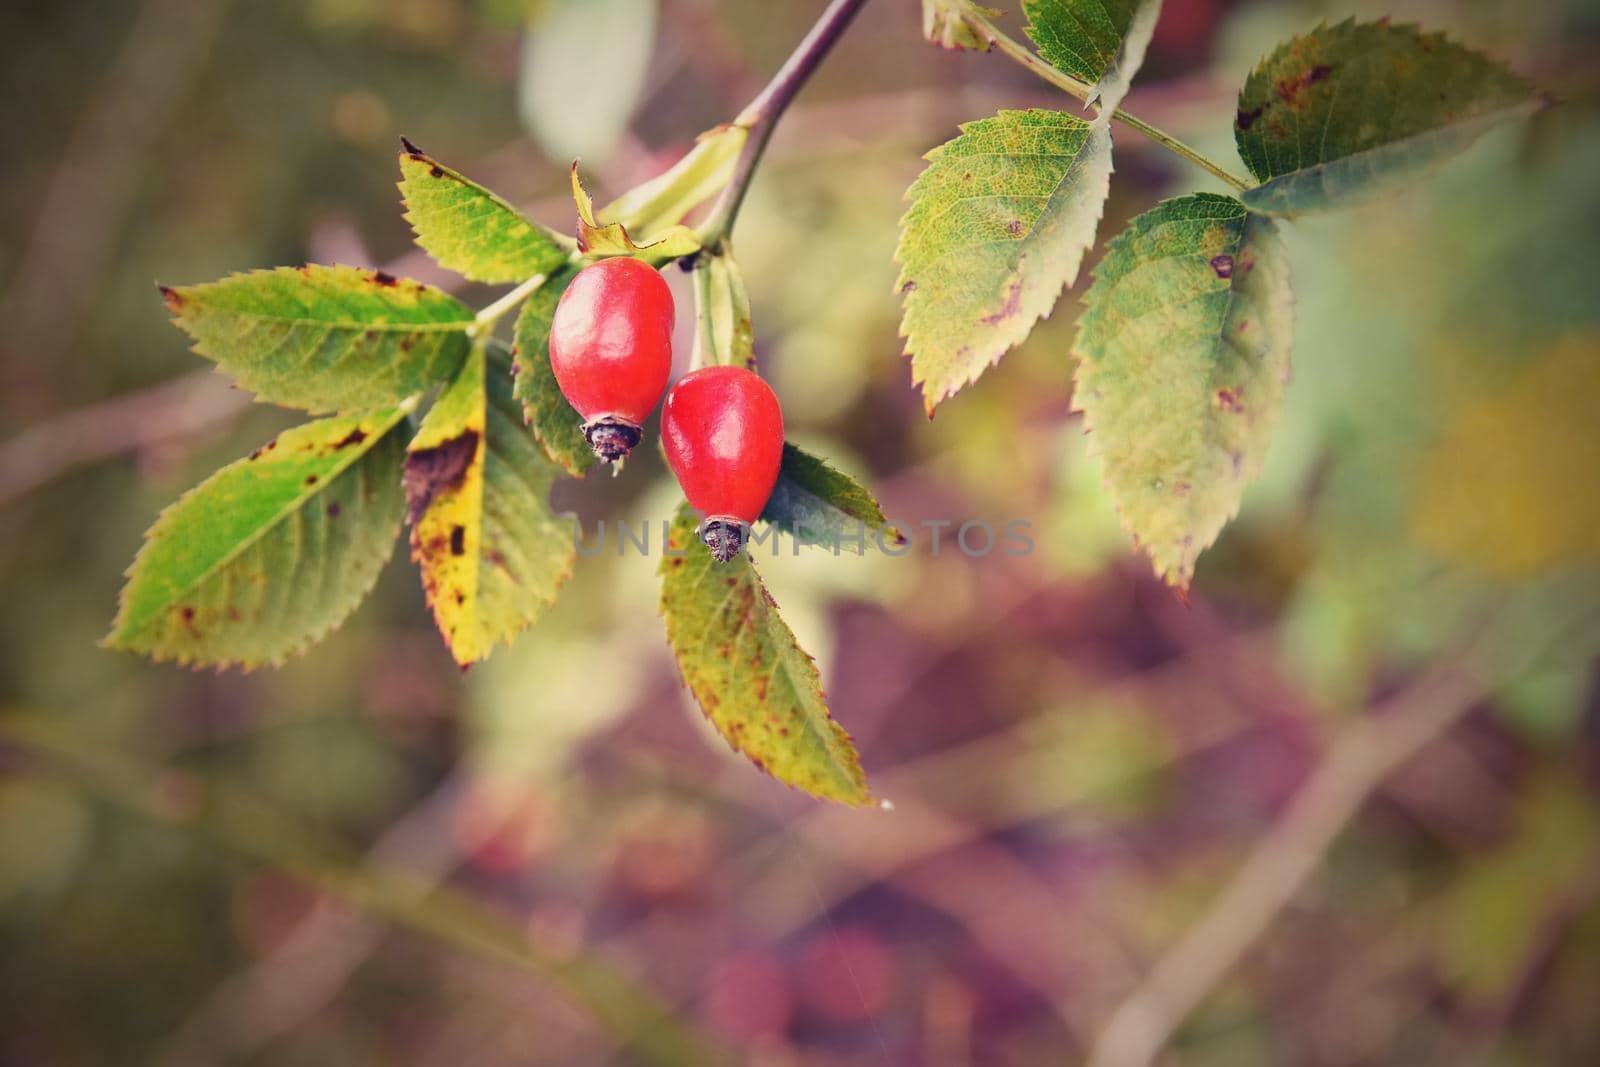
723	433
611	350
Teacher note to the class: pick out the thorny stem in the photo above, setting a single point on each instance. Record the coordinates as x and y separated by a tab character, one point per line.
762	114
483	323
981	24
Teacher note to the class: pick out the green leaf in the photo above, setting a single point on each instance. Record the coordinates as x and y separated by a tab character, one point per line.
664	200
584	64
1349	111
723	332
491	553
998	225
944	25
1184	354
612	239
814	502
741	662
269	553
1098	41
469	229
325	338
554	422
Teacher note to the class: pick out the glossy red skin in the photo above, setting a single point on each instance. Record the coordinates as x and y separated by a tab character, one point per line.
611	340
722	430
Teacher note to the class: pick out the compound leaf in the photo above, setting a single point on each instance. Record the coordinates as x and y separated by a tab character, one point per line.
325	338
755	684
271	552
998	225
491	553
1349	111
1099	41
1183	354
554	422
469	229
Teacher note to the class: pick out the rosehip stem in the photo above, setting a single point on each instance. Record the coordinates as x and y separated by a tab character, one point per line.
762	114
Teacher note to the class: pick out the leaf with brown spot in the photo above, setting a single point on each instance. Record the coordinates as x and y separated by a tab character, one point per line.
753	681
469	229
491	553
998	225
1351	111
325	338
271	552
1179	400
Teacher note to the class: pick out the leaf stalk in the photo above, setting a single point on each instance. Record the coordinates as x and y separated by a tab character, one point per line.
982	25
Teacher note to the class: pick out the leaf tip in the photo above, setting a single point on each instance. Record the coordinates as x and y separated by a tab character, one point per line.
171	297
408	147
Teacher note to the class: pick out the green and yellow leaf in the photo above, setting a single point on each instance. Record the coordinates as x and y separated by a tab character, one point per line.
815	502
325	338
1183	354
491	553
558	427
662	202
469	229
612	239
1098	41
998	226
1350	111
271	552
754	683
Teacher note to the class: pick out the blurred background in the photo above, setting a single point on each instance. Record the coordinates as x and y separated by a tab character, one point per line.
1345	805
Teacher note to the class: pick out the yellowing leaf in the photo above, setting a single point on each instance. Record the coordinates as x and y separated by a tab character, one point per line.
754	683
663	201
1507	488
469	229
612	239
1183	355
998	225
492	555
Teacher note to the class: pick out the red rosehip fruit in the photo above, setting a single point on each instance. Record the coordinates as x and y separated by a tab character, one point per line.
611	350
723	433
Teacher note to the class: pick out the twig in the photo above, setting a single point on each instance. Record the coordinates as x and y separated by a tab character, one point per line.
762	114
1357	763
1017	51
172	411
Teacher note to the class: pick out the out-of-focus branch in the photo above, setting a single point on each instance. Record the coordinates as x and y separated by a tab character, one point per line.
635	1016
172	411
310	966
1359	760
80	218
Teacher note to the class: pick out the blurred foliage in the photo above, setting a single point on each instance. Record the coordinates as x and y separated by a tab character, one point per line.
1077	762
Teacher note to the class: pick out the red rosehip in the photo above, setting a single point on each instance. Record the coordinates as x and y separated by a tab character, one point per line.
611	350
723	433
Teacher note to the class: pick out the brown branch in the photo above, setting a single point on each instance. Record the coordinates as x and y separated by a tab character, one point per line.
1360	759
